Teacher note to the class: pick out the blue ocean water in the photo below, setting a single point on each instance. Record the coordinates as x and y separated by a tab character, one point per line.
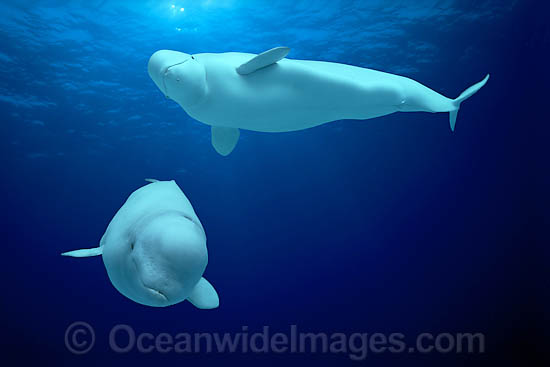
390	225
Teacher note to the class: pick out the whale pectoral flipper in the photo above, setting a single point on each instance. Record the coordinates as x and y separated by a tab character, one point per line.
204	296
224	139
87	252
262	60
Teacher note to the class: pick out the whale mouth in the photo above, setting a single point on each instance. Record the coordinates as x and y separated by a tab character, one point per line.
165	73
155	292
187	217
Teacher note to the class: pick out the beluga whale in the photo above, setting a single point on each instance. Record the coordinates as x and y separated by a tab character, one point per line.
271	93
154	249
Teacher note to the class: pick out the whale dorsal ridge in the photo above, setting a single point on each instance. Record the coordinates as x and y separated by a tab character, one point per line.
262	60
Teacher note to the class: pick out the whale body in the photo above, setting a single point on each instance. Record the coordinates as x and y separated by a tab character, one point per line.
154	249
270	93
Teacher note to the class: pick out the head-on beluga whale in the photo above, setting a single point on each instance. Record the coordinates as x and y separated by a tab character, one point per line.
154	249
269	93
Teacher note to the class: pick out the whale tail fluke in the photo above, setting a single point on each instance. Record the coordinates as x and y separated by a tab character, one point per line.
462	97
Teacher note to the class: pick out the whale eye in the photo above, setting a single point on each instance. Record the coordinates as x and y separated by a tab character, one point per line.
132	245
193	57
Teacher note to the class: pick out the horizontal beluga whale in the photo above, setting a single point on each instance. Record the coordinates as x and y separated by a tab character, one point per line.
269	93
154	249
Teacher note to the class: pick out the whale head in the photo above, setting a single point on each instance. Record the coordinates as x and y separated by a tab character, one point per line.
179	76
160	261
154	249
